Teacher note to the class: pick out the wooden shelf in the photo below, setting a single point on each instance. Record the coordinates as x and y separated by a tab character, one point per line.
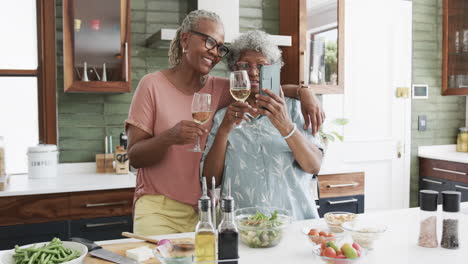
79	45
99	87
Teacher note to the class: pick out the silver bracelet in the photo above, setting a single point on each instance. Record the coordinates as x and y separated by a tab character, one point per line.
292	132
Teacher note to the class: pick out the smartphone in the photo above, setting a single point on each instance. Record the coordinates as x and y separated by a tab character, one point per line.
270	78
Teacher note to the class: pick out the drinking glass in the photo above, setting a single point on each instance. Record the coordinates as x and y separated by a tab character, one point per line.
465	40
239	86
201	112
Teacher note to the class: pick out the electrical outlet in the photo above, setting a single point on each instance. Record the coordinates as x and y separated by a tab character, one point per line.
422	123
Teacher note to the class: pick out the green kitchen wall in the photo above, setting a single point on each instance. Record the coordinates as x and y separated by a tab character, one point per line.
85	119
445	114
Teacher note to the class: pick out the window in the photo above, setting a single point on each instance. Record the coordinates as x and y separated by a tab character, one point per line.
27	78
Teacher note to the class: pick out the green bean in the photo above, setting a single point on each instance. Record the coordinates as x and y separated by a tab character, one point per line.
51	253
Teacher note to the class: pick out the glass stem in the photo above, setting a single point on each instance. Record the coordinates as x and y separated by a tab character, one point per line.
197	146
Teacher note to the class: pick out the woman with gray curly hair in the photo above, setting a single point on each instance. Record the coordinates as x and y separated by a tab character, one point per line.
272	161
159	125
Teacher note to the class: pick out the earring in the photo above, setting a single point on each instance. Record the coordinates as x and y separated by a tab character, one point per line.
184	50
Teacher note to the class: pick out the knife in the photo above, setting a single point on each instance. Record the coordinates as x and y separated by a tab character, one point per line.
97	251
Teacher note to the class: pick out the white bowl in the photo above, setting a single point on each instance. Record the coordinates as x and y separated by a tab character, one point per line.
7	256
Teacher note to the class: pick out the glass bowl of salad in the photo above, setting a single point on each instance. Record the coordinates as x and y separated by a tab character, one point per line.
261	227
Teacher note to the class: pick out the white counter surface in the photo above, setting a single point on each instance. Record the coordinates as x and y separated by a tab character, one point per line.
397	245
73	177
443	152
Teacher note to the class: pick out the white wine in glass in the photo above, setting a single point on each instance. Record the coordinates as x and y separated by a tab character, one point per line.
201	113
239	85
201	117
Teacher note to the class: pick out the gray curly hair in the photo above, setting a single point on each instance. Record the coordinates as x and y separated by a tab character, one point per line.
256	40
190	22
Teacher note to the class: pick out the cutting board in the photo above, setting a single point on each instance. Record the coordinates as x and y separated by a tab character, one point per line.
122	247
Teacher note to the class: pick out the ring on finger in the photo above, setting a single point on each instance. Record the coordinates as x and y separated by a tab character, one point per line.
235	114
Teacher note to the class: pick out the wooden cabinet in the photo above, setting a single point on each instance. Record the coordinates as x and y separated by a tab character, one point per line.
96	46
33	209
96	215
341	192
102	228
32	233
353	204
97	204
440	175
455	48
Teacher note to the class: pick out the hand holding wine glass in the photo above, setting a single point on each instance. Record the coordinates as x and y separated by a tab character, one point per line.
201	113
240	89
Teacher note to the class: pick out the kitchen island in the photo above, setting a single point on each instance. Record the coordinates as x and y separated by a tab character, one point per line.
397	245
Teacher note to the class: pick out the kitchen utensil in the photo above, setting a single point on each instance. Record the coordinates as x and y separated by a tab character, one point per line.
97	251
180	245
145	238
42	161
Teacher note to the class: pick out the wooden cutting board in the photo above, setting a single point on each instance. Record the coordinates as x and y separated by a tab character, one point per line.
122	247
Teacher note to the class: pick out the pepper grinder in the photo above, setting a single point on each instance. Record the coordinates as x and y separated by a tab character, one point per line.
451	219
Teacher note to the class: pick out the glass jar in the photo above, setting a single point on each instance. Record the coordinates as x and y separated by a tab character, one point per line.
462	140
428	218
451	219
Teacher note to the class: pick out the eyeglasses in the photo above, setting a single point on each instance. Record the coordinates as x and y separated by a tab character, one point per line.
248	66
211	43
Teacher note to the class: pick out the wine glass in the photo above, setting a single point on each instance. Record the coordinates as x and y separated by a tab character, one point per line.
239	86
201	112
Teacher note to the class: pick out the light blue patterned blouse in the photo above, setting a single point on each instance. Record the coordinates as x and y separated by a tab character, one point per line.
262	168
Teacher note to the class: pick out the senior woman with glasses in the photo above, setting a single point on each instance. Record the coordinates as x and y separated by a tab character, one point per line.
159	126
272	161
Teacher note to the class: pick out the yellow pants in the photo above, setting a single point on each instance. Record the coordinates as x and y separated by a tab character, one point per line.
159	215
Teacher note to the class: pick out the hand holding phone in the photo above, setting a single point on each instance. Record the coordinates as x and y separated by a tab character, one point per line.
270	79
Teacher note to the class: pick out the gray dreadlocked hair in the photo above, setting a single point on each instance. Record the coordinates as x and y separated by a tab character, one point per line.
190	23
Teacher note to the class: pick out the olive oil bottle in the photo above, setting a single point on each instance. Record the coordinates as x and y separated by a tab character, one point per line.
205	239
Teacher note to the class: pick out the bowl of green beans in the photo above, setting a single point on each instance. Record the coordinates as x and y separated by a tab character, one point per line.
52	252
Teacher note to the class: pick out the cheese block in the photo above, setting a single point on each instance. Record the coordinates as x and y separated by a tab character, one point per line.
140	253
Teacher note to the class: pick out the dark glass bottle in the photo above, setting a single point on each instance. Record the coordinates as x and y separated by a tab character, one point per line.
228	235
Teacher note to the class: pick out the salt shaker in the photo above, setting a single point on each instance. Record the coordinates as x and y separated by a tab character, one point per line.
428	218
451	218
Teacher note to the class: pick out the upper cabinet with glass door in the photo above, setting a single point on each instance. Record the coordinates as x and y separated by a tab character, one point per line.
96	45
323	60
455	48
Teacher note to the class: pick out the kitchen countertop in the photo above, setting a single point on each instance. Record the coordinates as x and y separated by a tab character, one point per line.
443	152
82	177
397	245
72	177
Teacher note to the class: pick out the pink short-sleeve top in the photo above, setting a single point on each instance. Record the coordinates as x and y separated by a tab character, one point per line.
158	106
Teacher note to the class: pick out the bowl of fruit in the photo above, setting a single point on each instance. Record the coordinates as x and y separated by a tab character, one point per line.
335	220
347	253
321	235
